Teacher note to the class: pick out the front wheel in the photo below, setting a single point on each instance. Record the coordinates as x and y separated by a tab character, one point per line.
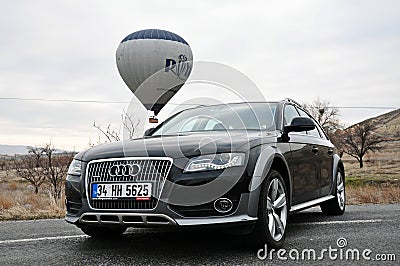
272	212
337	205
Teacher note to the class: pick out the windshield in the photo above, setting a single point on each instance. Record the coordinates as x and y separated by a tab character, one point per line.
243	116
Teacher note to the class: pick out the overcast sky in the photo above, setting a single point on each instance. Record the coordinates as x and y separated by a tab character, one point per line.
347	52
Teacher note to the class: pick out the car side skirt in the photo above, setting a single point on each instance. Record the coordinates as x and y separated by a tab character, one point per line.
308	204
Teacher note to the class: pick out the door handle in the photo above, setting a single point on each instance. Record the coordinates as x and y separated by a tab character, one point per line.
330	151
314	149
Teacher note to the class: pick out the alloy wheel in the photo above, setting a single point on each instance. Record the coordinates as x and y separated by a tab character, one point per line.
340	190
277	209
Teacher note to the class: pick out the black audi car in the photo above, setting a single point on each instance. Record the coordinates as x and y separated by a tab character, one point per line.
241	165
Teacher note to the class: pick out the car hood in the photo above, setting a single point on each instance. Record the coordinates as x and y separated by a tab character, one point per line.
177	146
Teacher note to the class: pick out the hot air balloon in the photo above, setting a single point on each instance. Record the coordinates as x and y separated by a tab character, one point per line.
154	64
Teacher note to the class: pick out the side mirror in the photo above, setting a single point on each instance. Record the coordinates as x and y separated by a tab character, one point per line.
300	124
148	131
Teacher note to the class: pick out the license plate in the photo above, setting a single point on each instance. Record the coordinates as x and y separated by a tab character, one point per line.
138	191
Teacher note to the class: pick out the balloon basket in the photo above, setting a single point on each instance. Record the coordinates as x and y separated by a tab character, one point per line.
153	119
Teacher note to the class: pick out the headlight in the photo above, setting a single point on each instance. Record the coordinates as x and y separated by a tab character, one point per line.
75	168
214	162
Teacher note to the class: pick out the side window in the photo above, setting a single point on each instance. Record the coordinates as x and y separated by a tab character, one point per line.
315	132
188	125
289	113
211	124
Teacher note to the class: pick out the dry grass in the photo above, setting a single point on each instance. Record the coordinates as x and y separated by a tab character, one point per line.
5	202
13	185
378	181
384	165
372	194
18	201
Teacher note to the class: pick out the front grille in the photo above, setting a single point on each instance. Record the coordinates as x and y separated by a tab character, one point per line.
153	170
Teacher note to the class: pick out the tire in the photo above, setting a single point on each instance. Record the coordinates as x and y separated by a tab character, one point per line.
102	232
270	228
337	205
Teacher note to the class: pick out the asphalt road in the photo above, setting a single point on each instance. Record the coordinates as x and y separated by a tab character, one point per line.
54	242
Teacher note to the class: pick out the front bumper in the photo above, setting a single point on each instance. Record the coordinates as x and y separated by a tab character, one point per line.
162	215
80	212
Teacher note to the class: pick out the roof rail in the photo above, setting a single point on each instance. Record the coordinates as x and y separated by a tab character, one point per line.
292	101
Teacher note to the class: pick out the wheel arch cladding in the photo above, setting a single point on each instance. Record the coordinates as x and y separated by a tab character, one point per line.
270	157
279	164
337	164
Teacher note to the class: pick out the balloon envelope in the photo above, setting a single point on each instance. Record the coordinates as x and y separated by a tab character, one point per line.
154	64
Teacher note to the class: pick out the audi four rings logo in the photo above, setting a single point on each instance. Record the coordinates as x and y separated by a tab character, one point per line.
124	170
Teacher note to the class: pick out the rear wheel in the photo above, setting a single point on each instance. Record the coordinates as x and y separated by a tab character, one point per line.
102	232
337	205
273	211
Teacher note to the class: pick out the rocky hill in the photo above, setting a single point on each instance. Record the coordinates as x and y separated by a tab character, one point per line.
388	124
384	164
13	149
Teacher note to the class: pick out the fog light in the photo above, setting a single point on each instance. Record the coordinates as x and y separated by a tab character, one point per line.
223	205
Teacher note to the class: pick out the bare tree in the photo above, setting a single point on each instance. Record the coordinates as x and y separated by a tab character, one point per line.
30	167
325	114
361	138
129	124
327	117
3	164
43	164
55	168
6	163
107	132
336	137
